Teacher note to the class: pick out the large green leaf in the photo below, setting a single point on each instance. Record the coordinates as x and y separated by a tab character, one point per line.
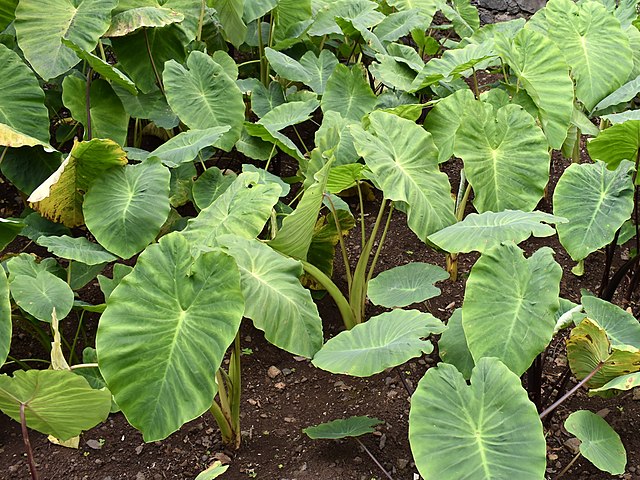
542	72
505	155
40	294
398	25
445	118
623	383
480	232
406	284
78	249
7	13
164	43
59	197
56	402
185	146
275	300
622	95
39	36
589	349
484	431
204	96
210	185
621	327
334	135
287	114
384	341
312	70
178	316
137	199
426	9
509	305
404	160
452	346
242	210
600	444
463	15
616	143
152	106
348	93
5	318
596	201
21	99
26	168
108	117
230	14
593	44
343	427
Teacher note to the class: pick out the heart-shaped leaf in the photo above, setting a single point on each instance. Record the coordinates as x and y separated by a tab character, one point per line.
596	201
343	427
348	93
40	294
190	310
510	304
600	444
406	284
453	426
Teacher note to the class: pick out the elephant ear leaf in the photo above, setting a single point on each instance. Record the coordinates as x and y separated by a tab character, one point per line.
51	400
343	427
191	310
600	444
596	201
452	436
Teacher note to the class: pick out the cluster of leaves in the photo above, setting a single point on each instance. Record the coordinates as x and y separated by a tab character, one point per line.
206	81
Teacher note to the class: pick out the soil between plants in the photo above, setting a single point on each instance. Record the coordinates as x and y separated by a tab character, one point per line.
275	410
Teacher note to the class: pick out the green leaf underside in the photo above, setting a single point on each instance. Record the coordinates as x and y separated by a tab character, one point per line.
126	207
596	201
276	301
5	318
406	284
601	445
178	316
52	400
509	305
384	341
481	232
343	427
78	249
454	429
404	160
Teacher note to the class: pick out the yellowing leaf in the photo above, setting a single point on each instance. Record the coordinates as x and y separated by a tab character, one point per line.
59	198
9	137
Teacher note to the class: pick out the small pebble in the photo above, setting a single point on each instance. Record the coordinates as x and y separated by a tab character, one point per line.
273	371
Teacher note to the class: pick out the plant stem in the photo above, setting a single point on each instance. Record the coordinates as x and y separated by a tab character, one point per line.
273	149
380	243
362	230
462	206
234	374
569	465
476	89
264	63
301	141
343	248
102	54
69	272
375	460
83	365
558	402
22	362
201	20
27	444
4	152
343	305
88	104
153	63
223	423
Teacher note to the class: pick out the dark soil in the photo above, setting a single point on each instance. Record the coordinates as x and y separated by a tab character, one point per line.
275	410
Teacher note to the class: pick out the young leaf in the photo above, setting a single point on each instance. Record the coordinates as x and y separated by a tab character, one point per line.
453	426
506	158
59	198
541	70
137	199
78	249
39	36
406	284
600	444
56	402
509	305
596	201
185	146
404	160
23	111
343	427
204	96
384	341
481	232
276	301
616	143
191	310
